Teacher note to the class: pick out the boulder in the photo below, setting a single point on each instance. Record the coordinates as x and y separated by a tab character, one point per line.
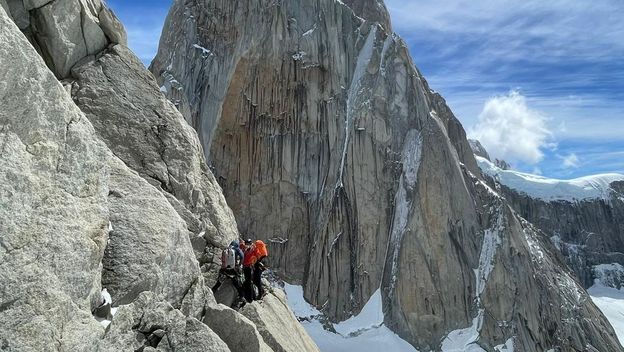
238	332
148	322
66	31
277	324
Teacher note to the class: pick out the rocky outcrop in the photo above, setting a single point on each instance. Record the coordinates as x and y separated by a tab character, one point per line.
148	322
66	31
360	177
372	10
240	334
478	149
117	194
276	323
587	233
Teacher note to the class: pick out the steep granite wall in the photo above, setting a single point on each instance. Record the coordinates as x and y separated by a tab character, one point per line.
329	144
110	189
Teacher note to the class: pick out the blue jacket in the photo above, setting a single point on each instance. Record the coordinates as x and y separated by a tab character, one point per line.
237	251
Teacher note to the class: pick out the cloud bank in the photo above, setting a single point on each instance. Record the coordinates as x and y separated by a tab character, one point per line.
512	131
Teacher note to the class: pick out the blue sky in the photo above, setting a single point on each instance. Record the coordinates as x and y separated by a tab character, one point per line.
541	84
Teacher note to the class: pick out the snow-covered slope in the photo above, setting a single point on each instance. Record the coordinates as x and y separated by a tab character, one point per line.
363	332
609	299
548	189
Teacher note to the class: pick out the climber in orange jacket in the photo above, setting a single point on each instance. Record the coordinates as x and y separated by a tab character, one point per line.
260	252
253	268
249	260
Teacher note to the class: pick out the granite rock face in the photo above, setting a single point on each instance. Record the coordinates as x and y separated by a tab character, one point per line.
588	232
109	189
331	146
143	129
53	168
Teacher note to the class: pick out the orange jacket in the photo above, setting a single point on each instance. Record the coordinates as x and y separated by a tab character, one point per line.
261	250
254	253
250	257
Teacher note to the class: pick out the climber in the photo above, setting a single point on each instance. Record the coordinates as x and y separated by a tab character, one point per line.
248	263
261	253
242	244
231	259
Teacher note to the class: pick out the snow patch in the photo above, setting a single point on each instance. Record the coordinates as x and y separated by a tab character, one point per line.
205	52
105	322
371	317
508	346
279	240
465	340
105	297
310	31
364	332
611	302
333	244
549	189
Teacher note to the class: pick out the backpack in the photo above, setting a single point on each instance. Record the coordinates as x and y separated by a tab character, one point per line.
261	249
228	258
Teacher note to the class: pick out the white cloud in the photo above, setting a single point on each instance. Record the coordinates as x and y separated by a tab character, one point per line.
570	161
512	131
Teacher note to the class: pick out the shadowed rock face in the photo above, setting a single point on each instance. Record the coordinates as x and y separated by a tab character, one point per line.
329	145
108	189
587	232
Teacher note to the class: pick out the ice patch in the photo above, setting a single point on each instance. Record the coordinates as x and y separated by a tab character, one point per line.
411	157
548	189
354	92
491	241
364	332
